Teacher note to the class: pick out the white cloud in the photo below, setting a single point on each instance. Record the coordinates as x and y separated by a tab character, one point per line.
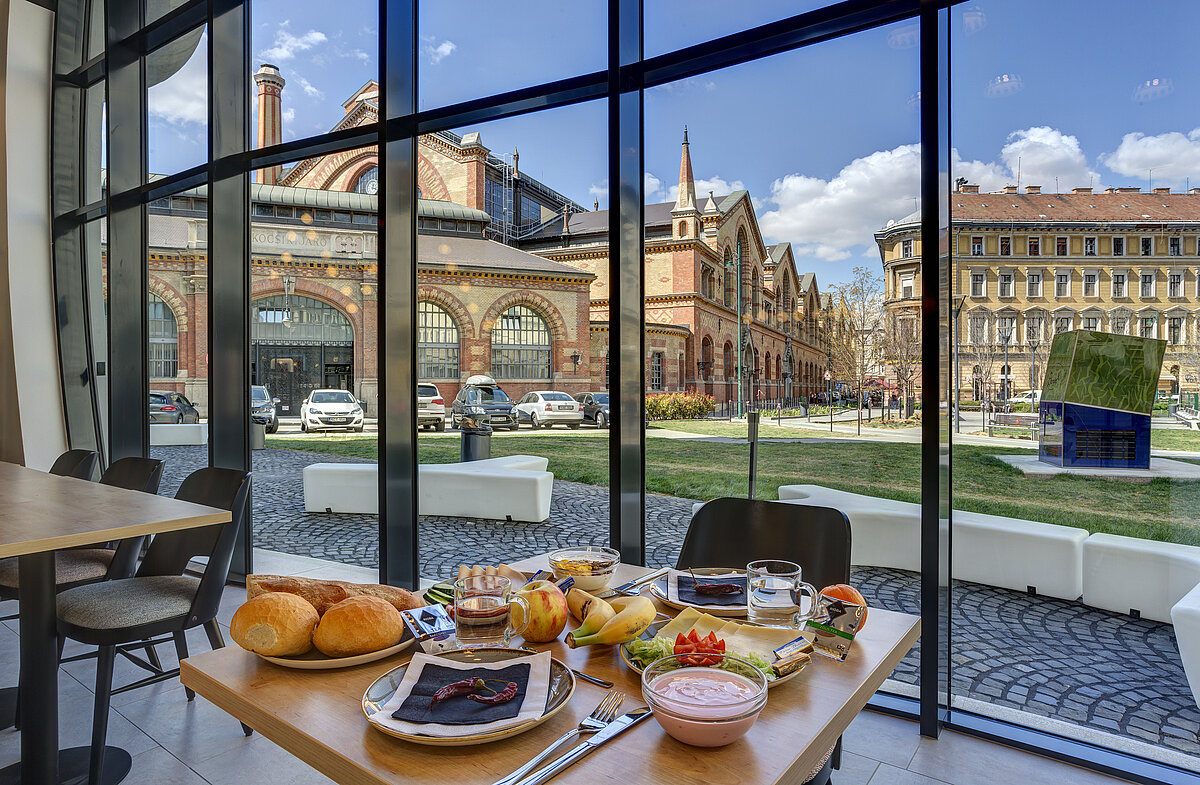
308	88
288	115
436	53
599	190
825	218
1170	155
357	54
1043	154
287	46
183	98
718	185
651	186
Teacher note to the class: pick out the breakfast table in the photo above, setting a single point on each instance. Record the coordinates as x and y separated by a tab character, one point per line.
317	716
42	513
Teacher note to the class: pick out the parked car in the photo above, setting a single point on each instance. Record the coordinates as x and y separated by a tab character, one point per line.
171	408
431	407
1032	397
595	408
327	410
544	408
262	408
483	392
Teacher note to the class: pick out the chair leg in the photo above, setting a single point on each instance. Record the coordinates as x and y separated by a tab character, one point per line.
106	657
217	641
182	650
152	656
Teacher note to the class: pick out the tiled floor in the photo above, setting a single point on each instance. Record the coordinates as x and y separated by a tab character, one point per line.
177	743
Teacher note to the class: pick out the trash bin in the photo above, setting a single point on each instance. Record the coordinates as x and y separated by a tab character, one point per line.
476	442
258	436
1171	409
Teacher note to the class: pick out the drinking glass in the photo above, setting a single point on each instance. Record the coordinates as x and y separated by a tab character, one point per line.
773	594
483	611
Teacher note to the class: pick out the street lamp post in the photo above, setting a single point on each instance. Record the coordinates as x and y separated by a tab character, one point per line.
1034	342
1005	336
737	260
958	306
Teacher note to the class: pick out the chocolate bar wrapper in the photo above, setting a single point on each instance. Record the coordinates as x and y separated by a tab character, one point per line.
835	626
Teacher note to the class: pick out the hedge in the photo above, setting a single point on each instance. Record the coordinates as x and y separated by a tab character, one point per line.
679	406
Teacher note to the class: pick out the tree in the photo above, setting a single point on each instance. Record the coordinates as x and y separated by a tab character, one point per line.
856	317
901	350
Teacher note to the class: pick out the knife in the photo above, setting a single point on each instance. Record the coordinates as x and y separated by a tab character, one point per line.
617	726
637	583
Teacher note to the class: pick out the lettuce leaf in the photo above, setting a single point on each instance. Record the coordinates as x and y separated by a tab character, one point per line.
644	652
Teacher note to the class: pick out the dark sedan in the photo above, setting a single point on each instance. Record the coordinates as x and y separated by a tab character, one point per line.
171	408
595	408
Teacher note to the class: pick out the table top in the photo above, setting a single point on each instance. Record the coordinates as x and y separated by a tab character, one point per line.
317	716
42	512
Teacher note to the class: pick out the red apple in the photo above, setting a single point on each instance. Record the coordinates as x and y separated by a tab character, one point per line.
548	611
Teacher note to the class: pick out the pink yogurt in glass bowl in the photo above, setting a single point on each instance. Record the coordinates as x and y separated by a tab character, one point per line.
704	706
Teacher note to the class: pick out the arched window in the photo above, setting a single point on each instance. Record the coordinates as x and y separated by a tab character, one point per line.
162	353
730	279
728	361
296	320
520	345
437	342
368	182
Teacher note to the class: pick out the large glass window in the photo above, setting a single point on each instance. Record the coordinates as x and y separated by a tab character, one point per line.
437	342
163	352
521	345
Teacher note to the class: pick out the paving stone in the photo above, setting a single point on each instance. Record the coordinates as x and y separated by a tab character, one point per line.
1050	657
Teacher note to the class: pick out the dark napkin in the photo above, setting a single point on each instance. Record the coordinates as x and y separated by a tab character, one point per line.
685	586
459	710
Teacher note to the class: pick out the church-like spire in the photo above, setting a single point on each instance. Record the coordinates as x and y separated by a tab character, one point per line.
686	201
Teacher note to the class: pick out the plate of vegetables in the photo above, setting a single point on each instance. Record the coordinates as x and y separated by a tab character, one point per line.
699	636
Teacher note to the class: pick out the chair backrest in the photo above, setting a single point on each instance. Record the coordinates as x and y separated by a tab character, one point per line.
80	464
733	532
134	474
169	553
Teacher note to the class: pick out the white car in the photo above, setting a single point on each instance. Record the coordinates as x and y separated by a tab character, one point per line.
431	407
328	410
1029	396
544	408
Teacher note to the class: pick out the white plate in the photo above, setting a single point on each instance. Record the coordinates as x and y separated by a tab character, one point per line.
316	661
659	590
562	687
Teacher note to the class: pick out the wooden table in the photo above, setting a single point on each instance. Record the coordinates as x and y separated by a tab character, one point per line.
317	716
40	513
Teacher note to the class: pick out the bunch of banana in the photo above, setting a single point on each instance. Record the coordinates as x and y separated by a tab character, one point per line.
610	622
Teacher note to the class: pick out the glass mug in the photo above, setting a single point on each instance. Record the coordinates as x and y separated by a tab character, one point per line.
772	594
483	611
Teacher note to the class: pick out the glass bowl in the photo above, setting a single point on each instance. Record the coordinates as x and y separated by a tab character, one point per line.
705	706
591	566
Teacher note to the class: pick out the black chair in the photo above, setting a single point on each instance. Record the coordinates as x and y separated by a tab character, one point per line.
80	464
120	615
734	532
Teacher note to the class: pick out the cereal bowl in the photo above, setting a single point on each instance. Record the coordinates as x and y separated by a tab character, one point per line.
591	566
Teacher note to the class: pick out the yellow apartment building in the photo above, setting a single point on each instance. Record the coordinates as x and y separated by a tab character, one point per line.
1028	265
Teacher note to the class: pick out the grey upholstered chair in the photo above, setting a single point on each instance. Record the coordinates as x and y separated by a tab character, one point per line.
121	615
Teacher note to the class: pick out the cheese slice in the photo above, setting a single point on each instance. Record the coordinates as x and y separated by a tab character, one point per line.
762	641
681	623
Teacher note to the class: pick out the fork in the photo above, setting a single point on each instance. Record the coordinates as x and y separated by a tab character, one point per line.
600	717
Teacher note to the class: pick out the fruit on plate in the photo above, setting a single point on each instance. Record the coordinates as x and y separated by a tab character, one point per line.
633	616
843	591
275	624
596	613
548	611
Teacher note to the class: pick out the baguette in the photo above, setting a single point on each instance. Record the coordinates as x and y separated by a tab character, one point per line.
325	594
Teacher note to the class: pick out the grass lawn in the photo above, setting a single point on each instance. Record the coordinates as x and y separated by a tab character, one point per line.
767	429
1175	440
1161	510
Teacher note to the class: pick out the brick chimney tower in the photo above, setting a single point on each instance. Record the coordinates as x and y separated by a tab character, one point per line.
270	115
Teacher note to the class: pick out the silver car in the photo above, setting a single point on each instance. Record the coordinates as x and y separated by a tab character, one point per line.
328	410
543	408
431	407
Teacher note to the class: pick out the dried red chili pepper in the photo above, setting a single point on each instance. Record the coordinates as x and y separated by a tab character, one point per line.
718	588
502	696
456	688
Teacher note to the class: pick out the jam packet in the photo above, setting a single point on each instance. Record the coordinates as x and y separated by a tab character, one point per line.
835	624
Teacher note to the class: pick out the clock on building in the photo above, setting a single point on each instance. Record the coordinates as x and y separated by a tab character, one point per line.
373	187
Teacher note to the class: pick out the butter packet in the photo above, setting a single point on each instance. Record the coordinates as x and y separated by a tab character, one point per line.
835	626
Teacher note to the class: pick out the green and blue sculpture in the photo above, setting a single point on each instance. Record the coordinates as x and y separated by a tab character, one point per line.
1097	397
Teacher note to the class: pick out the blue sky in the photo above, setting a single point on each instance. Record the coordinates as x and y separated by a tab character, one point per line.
1092	92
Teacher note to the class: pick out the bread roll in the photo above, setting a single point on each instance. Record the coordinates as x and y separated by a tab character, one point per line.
358	625
276	624
325	594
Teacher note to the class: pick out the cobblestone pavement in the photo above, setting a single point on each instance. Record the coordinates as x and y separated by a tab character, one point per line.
1055	659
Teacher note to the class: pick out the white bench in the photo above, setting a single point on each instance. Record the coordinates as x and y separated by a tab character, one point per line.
1008	553
1185	615
175	435
514	487
1124	574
